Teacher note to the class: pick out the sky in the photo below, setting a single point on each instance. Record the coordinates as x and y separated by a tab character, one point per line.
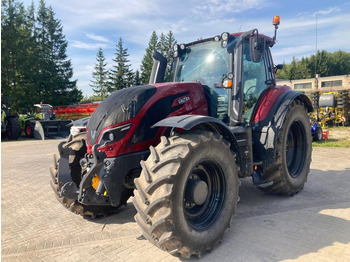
89	25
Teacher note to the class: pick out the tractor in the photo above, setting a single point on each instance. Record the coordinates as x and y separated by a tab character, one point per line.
180	147
42	123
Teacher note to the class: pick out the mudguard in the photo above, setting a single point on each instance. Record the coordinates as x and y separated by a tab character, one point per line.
38	131
265	126
188	122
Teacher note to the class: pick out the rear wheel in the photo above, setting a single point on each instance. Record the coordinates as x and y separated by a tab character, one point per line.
13	128
187	193
318	134
293	153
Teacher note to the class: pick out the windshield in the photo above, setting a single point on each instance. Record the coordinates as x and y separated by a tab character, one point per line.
206	63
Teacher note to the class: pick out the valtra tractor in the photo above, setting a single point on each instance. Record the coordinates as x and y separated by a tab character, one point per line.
182	146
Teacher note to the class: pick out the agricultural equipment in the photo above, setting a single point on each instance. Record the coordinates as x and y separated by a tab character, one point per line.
332	108
42	123
182	146
74	112
9	124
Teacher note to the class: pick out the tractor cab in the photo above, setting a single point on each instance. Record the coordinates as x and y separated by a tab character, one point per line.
43	112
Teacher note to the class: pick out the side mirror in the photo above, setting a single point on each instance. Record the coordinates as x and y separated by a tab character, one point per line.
278	67
257	48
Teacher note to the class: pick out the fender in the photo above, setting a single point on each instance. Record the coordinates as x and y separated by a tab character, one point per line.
265	131
188	122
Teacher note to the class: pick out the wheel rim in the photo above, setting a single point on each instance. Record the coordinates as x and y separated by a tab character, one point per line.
296	149
319	132
204	194
28	130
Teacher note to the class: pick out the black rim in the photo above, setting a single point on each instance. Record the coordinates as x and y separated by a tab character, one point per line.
204	194
296	148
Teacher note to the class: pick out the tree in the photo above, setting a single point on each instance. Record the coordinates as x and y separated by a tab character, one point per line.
55	73
147	61
14	37
120	76
137	78
170	42
34	67
100	75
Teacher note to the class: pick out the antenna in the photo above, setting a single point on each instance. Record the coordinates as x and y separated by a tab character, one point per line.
316	50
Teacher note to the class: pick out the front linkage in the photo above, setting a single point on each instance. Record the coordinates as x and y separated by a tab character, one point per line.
92	184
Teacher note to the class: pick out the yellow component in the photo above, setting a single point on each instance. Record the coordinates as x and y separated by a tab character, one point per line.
95	181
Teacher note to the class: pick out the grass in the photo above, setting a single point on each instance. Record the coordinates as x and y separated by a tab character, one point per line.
342	138
332	143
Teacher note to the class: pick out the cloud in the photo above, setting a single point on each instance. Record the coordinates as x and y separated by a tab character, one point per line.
98	38
327	11
87	46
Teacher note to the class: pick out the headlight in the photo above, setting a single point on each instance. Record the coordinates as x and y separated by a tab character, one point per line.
114	134
111	136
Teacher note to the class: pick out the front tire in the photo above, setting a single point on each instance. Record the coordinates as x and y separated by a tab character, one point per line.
187	193
293	153
29	129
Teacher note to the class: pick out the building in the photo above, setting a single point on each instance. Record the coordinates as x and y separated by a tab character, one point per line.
324	84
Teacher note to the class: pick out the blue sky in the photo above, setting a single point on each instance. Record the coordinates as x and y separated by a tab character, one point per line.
89	25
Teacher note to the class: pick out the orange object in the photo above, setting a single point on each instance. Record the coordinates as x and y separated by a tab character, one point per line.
276	20
325	134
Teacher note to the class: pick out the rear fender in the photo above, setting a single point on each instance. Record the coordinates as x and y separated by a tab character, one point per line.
265	132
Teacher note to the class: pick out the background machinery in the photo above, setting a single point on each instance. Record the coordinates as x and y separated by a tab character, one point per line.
182	146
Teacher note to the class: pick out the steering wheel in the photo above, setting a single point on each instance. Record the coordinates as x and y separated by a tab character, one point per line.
250	89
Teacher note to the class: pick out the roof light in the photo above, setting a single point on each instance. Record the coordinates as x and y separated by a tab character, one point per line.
276	20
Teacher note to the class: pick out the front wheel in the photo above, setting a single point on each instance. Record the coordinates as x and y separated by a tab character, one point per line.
29	129
187	193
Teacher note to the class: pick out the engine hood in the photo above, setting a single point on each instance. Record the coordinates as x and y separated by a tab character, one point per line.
120	106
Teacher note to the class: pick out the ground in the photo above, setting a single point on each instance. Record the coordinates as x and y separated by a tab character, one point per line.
314	225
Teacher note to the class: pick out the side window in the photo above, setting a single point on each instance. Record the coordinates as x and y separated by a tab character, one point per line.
254	82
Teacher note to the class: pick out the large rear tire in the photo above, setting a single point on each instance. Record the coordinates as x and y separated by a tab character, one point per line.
293	153
187	193
13	128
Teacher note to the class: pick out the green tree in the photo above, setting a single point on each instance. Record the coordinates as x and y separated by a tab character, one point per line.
170	42
14	37
55	69
120	75
147	61
137	78
100	75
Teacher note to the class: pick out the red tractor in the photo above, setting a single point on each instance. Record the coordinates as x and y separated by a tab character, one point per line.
182	146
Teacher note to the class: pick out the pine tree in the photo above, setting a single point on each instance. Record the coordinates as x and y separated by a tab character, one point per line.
120	74
137	78
55	73
147	61
170	42
100	75
14	34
